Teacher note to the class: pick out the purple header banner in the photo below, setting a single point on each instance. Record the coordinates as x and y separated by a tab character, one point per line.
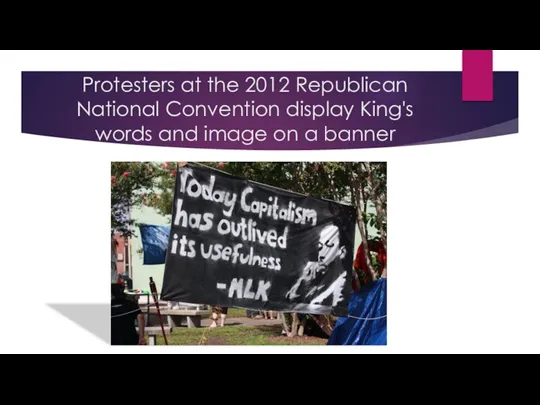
265	110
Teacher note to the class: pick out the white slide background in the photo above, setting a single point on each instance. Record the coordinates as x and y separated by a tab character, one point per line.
464	274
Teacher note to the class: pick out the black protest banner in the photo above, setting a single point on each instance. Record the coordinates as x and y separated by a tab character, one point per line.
237	243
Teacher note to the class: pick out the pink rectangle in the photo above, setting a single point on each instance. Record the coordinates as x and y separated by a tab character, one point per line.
477	76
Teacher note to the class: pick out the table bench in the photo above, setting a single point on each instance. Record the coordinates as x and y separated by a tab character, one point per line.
176	317
153	332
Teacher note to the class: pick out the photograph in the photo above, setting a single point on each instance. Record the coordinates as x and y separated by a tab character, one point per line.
248	253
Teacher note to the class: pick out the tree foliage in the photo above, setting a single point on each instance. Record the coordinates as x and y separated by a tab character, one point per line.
129	181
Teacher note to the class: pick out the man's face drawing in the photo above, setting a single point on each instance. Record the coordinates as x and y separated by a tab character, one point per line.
329	248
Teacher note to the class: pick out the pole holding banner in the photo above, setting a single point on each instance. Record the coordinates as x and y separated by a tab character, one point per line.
153	290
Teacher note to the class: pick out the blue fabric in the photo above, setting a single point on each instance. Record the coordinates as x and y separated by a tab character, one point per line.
369	302
155	241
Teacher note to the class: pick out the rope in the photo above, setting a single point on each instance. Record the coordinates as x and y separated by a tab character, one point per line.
127	313
368	319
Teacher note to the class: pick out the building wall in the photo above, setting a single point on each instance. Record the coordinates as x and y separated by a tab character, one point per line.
120	253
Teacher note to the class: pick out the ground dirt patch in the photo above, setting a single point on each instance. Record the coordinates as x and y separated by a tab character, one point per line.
216	341
298	340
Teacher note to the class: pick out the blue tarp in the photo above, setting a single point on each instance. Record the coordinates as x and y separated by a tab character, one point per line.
366	324
155	241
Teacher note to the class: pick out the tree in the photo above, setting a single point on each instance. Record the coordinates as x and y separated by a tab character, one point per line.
363	184
130	184
367	185
162	197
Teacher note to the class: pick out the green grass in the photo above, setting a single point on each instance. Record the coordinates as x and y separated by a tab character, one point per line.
234	335
236	313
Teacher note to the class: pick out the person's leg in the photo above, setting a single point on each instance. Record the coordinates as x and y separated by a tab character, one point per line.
224	312
214	317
